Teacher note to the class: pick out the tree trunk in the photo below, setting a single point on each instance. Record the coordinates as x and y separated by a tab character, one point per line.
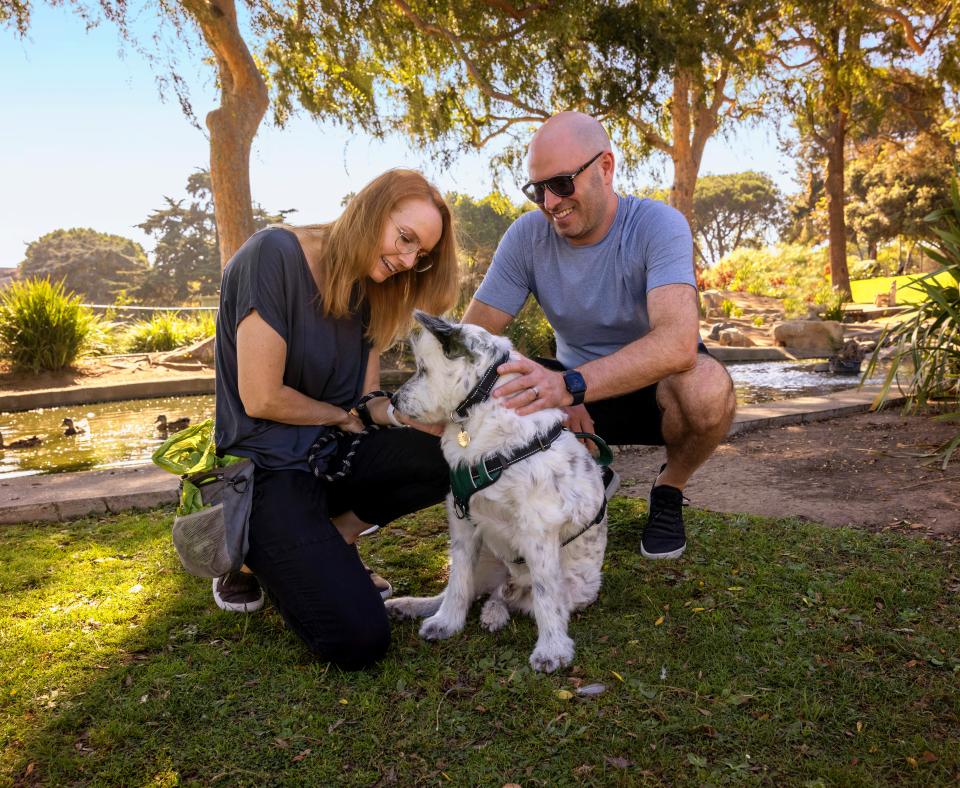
233	125
684	169
839	274
693	123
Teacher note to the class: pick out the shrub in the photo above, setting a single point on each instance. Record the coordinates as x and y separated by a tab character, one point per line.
758	320
167	330
530	331
43	327
788	271
927	343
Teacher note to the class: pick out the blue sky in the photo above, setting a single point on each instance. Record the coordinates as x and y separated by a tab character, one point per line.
87	142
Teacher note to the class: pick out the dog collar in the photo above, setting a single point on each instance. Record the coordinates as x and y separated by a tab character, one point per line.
481	391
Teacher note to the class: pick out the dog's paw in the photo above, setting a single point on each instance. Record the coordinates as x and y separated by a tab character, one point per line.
494	615
437	628
548	658
402	607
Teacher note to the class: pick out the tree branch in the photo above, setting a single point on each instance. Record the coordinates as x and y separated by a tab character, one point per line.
908	27
456	43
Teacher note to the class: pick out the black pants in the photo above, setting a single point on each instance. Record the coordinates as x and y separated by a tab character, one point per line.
315	579
631	419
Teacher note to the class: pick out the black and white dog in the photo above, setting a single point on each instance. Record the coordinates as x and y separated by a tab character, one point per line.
533	538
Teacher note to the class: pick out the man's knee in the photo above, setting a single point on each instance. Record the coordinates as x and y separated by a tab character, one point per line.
704	395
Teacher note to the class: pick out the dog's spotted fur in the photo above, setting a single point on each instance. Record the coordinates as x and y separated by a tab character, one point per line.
535	506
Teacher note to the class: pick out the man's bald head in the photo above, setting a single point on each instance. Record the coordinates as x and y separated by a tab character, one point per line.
571	131
573	145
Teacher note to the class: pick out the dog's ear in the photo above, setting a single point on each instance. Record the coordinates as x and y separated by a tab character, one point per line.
448	335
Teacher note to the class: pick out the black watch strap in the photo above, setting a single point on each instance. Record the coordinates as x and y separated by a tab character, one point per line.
576	385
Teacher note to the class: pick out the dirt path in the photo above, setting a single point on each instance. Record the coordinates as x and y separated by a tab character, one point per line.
865	470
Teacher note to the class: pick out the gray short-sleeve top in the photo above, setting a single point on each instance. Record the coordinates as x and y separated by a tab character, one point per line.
594	296
326	357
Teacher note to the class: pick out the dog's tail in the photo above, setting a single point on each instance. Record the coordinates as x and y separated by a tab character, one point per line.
414	606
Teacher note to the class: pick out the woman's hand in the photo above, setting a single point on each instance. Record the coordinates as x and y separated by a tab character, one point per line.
349	423
378	412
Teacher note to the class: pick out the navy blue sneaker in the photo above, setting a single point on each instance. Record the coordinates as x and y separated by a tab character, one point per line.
664	535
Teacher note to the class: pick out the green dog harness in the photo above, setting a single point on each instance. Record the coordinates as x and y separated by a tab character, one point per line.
467	480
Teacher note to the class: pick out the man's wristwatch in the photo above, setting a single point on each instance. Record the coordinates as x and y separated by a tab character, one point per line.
576	385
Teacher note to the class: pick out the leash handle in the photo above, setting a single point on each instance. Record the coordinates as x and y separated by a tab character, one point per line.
361	411
606	455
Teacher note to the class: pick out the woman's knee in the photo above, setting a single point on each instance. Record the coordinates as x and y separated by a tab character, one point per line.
354	645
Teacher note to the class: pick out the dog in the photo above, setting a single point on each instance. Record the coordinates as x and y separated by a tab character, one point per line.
534	540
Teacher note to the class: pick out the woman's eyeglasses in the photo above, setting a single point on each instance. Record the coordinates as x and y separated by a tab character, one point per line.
560	185
408	243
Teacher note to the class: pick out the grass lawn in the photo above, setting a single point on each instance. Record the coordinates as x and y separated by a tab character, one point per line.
775	652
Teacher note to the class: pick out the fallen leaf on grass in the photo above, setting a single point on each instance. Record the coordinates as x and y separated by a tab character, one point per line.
659	621
912	761
564	694
929	757
616	675
705	712
618	762
301	755
334	725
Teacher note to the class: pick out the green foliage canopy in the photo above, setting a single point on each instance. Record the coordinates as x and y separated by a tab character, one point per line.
459	73
734	210
96	265
186	259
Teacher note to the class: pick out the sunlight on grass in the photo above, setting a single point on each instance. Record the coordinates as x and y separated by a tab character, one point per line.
775	651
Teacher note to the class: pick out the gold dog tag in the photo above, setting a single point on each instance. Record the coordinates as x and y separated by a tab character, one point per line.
463	438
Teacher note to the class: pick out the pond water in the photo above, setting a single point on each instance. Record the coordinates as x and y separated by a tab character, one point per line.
124	433
117	433
765	381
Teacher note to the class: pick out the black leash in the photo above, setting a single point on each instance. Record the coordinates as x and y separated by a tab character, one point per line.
316	458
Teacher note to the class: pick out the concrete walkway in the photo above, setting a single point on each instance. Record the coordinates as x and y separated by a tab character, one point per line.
57	497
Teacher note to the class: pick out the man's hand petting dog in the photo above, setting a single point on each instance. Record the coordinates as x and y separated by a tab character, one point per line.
535	388
538	388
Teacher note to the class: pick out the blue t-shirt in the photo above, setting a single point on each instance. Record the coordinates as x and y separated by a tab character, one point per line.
595	296
326	357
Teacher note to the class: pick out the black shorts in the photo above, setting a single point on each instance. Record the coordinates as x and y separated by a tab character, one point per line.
630	419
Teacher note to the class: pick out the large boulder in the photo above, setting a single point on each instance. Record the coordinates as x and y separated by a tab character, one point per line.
716	328
815	336
734	337
712	301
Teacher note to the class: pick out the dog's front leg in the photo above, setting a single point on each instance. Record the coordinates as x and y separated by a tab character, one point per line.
457	596
551	606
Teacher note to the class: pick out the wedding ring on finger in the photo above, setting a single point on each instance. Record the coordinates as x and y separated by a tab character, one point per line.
536	392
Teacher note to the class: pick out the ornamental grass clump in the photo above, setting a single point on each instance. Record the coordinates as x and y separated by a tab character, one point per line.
43	327
926	343
166	331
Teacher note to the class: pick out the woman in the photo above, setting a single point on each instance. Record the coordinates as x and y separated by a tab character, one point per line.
303	314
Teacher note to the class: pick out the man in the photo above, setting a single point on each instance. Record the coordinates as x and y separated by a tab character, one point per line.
614	276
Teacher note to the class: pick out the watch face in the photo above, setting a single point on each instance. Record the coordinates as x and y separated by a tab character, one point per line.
576	385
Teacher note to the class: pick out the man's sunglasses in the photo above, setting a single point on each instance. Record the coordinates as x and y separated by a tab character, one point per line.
560	185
